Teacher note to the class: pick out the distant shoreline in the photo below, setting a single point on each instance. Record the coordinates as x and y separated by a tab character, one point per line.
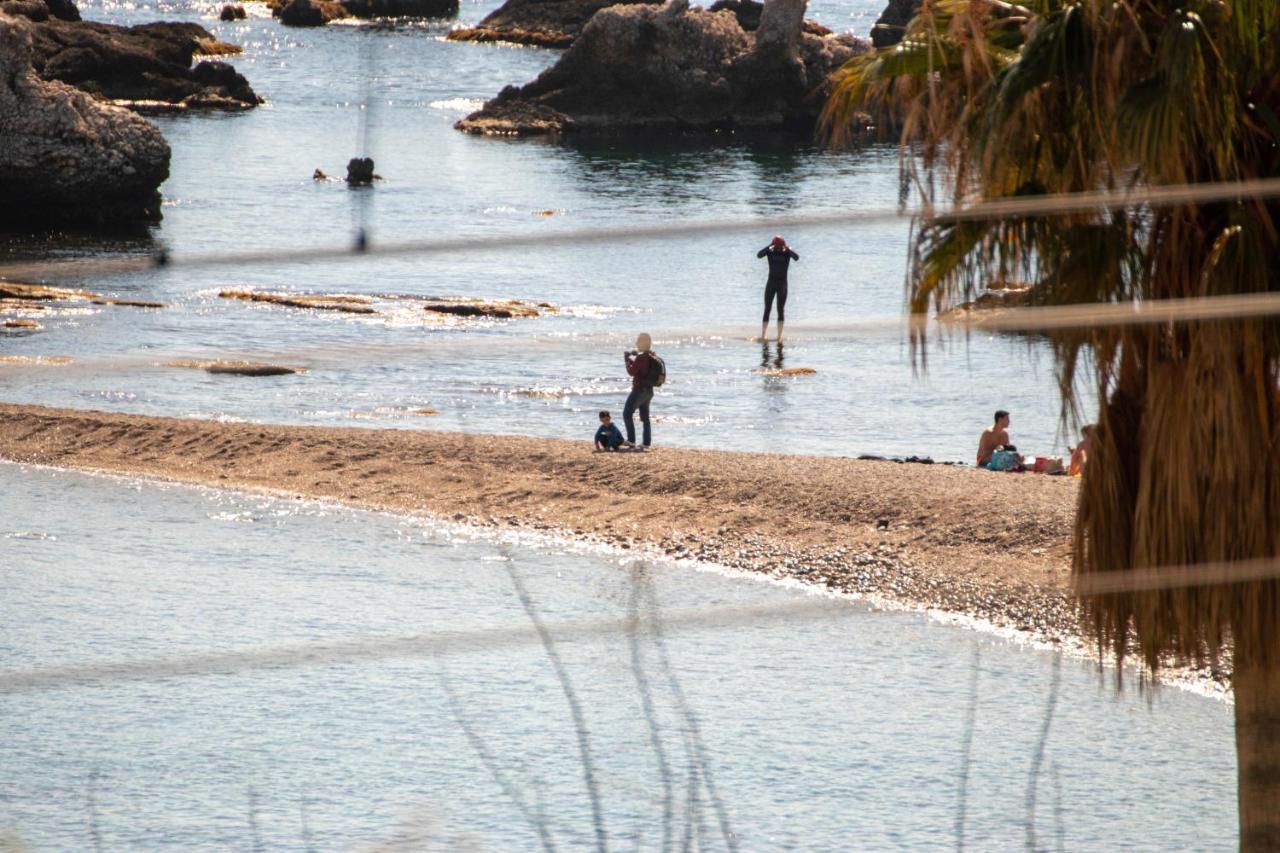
961	540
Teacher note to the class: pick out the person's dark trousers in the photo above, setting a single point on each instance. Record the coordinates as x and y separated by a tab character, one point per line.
779	290
639	398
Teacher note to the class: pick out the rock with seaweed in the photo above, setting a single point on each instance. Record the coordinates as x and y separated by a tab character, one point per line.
677	68
66	158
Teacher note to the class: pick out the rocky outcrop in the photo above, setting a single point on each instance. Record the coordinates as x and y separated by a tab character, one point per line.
147	66
748	13
544	23
66	158
557	23
317	13
677	68
892	23
40	10
990	304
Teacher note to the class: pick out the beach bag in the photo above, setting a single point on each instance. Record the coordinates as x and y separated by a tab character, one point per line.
657	371
1003	460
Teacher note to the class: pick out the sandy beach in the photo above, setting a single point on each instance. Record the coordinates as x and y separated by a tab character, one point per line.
992	546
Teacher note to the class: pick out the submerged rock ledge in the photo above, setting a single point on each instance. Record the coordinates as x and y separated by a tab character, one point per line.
347	303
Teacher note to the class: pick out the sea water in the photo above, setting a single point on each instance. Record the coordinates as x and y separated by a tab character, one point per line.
726	719
244	182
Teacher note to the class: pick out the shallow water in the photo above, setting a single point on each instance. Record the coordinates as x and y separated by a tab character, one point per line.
842	728
244	181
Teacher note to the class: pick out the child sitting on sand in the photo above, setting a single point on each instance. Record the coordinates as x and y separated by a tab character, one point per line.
608	437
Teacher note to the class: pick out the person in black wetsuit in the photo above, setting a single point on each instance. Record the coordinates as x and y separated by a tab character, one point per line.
780	256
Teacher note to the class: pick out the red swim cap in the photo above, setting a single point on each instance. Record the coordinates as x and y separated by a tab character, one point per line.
778	241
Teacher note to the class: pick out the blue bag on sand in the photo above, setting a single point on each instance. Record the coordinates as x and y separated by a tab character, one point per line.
1003	460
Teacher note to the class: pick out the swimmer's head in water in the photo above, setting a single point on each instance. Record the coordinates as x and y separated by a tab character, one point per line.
778	241
644	342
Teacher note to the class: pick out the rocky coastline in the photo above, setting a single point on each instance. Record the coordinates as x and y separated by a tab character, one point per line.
67	158
149	66
71	154
676	67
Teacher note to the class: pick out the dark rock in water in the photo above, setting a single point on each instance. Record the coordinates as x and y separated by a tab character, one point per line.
66	158
988	305
63	10
222	79
748	14
401	8
40	10
557	23
675	68
545	23
317	13
32	10
310	13
892	23
232	13
360	171
142	64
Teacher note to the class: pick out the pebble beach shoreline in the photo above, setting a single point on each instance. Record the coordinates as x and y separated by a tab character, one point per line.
981	547
990	546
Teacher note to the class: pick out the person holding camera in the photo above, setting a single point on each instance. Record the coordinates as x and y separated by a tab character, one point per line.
647	371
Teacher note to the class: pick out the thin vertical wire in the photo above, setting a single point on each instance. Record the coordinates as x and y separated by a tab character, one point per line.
966	749
1037	759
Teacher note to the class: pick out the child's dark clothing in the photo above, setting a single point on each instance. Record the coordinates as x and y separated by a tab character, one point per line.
608	436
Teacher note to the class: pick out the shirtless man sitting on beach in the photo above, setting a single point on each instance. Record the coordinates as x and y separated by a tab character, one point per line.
993	437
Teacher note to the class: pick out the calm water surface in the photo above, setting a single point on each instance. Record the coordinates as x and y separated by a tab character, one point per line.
244	181
841	730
